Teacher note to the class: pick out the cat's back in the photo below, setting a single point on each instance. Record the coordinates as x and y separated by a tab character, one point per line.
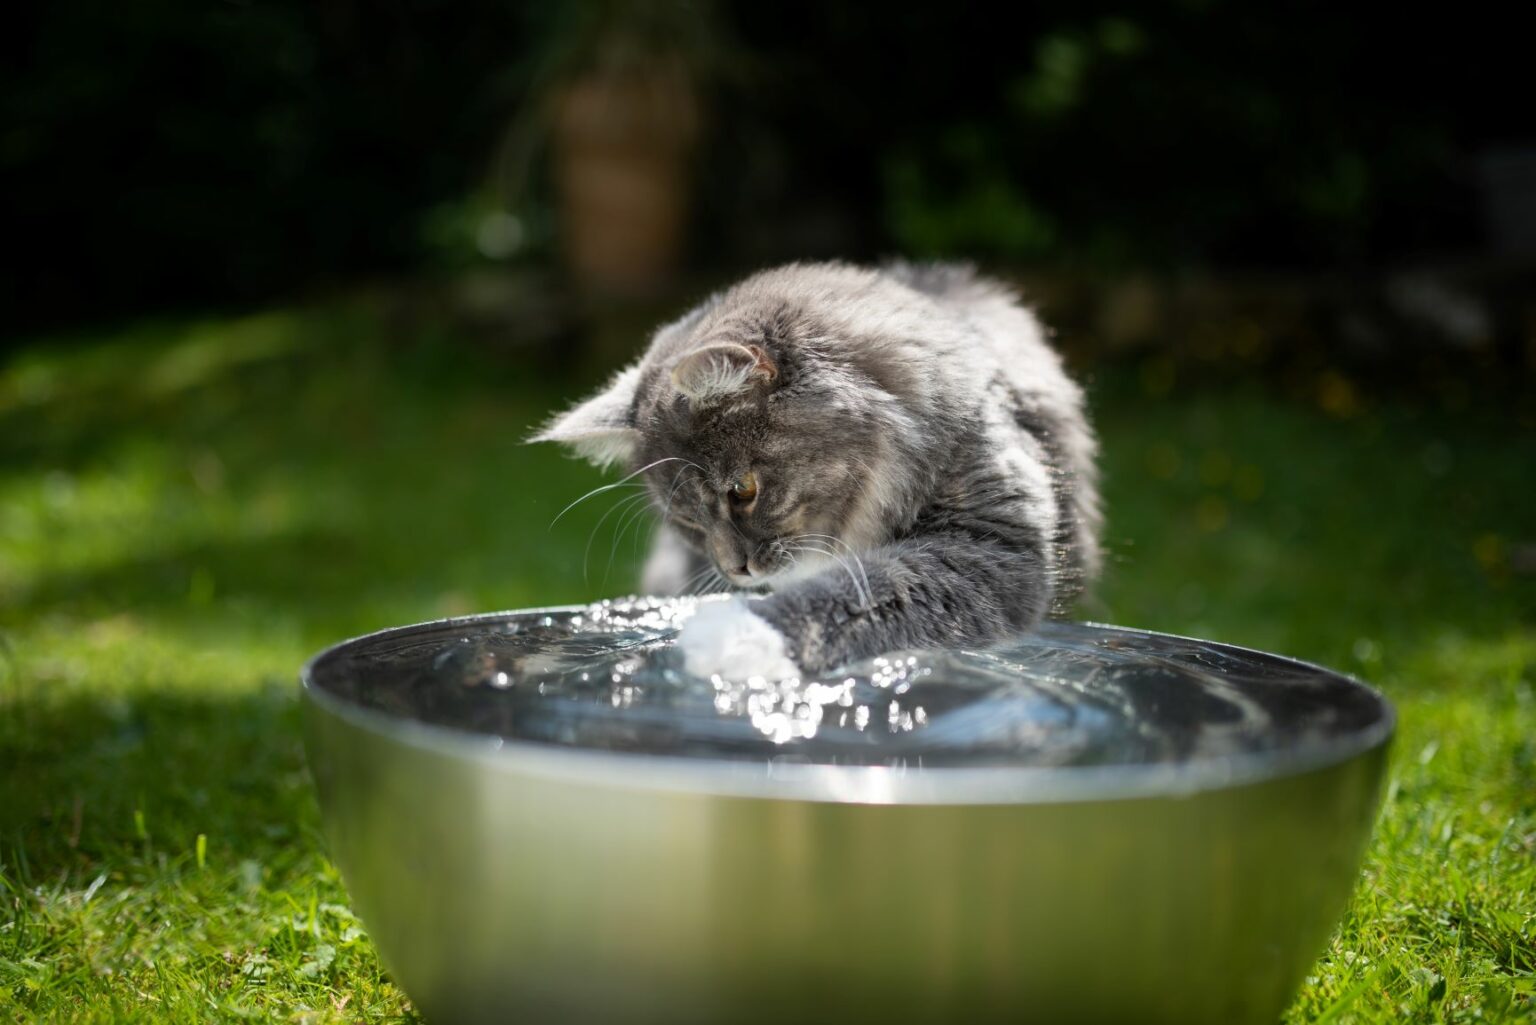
1042	399
998	322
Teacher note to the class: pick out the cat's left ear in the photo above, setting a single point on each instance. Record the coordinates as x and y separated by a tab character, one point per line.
723	369
601	429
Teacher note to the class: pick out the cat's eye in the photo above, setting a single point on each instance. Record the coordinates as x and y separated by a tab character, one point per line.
744	491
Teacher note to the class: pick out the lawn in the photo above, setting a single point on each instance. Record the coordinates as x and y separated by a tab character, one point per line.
188	509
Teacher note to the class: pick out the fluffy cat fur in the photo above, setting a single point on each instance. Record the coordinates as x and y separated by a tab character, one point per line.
894	457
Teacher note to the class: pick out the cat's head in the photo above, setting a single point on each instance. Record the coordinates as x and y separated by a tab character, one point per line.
764	453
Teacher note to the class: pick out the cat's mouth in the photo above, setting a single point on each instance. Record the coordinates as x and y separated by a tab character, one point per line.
744	581
778	563
785	570
755	579
756	576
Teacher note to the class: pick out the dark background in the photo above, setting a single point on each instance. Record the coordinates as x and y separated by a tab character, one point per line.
172	155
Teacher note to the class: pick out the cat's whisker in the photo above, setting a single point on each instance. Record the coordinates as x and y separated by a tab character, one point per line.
629	520
865	593
851	553
853	579
628	501
665	515
808	543
617	484
695	580
705	581
677	482
636	515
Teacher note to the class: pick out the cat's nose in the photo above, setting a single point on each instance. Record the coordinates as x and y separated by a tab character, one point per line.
728	556
742	571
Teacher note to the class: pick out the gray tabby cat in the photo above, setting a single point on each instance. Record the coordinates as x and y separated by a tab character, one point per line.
895	456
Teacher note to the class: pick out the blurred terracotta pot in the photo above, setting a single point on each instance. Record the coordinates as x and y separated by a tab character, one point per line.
623	147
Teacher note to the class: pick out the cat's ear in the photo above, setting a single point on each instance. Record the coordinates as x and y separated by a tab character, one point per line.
601	429
725	368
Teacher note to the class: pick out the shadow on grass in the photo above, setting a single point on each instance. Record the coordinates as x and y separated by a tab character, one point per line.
305	570
89	782
330	582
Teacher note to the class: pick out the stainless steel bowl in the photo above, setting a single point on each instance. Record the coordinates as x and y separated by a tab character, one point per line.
677	881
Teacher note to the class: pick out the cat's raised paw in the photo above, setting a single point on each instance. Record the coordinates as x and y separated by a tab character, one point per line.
729	640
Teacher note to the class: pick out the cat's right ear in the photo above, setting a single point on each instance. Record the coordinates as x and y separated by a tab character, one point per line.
601	429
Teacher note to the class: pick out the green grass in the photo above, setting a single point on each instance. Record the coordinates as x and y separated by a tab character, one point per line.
188	510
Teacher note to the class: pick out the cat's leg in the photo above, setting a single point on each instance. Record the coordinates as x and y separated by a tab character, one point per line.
938	590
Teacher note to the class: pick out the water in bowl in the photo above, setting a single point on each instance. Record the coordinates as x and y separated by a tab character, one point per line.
606	677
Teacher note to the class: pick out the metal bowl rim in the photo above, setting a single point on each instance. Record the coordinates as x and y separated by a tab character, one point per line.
820	782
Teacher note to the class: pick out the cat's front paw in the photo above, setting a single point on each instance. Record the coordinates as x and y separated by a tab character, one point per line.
729	640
